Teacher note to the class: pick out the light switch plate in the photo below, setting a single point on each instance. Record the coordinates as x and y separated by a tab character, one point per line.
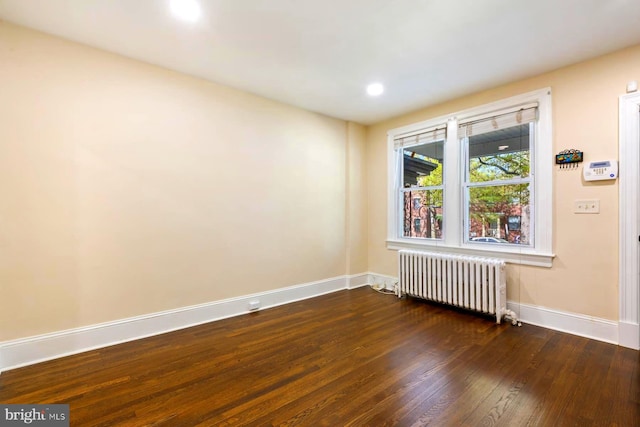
586	206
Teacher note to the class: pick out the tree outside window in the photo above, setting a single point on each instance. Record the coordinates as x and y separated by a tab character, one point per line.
498	187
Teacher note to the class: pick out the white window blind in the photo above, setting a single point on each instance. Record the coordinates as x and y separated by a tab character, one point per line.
421	137
478	126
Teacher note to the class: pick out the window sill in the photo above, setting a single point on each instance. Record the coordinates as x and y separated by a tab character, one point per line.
521	256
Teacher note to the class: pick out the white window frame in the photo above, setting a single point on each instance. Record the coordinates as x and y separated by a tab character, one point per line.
540	254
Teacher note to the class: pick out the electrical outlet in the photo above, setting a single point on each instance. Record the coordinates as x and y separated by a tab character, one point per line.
586	206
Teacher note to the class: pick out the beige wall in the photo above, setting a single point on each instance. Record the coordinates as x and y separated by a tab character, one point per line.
130	189
357	223
584	275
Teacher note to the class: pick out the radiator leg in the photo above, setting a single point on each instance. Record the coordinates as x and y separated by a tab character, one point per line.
512	316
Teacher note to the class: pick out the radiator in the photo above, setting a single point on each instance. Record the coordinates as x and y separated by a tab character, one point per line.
473	283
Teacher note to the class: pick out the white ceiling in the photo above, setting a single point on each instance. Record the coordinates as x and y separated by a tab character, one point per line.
321	54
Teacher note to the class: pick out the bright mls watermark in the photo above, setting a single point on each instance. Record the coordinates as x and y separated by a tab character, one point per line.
34	415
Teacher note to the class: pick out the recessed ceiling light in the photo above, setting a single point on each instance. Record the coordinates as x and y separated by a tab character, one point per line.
375	89
187	10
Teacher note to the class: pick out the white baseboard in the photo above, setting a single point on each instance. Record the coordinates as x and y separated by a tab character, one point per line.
358	280
27	351
572	323
629	335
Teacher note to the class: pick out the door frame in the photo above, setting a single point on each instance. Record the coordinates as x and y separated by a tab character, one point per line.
629	221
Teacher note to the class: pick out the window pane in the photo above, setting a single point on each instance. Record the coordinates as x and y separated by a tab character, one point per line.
502	154
423	165
423	214
500	214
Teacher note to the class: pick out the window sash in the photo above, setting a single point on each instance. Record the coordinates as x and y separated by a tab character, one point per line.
401	210
531	205
430	187
529	179
429	136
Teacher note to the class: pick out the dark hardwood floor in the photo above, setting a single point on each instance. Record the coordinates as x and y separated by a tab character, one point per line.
354	358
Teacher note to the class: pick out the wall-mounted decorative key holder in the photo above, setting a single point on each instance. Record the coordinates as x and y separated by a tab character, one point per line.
569	159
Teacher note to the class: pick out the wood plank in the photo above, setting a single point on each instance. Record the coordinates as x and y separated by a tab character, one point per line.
348	358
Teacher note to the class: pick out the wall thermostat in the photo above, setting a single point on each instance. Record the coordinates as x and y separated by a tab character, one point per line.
601	170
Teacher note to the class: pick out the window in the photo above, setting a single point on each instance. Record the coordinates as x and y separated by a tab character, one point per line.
477	181
420	158
497	184
514	222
